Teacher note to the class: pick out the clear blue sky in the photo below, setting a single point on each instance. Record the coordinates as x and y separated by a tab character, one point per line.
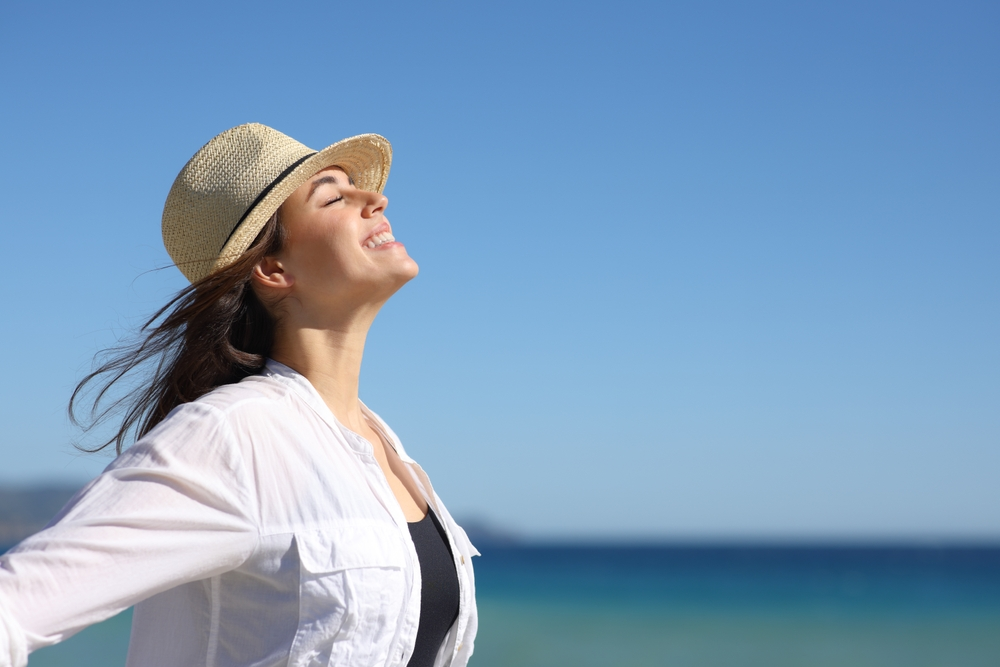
712	270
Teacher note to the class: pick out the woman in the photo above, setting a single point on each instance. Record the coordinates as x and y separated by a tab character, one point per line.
265	516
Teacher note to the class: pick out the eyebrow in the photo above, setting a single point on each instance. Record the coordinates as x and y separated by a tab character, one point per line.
325	181
321	181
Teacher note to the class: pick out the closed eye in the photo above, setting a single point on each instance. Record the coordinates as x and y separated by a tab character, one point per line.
334	201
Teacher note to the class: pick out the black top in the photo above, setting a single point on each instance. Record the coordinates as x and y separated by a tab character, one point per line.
438	590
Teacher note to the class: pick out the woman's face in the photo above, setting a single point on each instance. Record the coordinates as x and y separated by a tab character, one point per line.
339	251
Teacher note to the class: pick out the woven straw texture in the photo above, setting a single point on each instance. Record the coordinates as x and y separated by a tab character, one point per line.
215	208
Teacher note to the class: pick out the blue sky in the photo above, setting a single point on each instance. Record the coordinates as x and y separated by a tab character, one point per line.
693	270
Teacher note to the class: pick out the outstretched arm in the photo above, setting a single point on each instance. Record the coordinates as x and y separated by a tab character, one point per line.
176	507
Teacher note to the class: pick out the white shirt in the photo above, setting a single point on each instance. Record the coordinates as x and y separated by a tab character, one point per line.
248	528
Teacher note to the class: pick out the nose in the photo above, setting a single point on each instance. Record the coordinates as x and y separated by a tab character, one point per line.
375	204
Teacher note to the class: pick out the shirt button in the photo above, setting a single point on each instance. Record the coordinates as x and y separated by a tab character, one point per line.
459	647
462	558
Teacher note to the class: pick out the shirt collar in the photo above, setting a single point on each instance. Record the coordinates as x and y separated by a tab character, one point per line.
306	391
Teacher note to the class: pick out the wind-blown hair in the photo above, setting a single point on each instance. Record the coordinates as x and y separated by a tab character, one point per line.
213	332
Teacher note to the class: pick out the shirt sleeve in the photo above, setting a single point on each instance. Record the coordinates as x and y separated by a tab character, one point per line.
174	508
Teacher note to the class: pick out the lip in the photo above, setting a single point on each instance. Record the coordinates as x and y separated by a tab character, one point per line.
378	229
384	246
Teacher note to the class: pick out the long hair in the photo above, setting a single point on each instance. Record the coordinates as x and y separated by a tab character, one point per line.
213	332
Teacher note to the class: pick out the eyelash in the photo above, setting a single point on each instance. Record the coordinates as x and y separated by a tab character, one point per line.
334	201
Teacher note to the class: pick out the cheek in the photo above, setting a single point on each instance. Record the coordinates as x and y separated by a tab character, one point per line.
323	253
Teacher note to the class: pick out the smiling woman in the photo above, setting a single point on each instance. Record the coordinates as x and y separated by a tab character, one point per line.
265	515
338	256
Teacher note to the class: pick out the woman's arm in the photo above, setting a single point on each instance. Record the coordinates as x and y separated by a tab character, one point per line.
176	507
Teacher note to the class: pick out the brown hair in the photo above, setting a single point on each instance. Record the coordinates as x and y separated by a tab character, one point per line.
213	332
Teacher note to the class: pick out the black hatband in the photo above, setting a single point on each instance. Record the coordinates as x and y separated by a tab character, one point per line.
270	186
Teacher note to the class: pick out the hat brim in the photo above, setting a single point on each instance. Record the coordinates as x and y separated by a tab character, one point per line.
366	158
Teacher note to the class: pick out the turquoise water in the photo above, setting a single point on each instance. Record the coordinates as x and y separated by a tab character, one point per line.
707	607
739	607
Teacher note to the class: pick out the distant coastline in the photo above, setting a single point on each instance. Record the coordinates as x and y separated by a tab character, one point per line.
26	509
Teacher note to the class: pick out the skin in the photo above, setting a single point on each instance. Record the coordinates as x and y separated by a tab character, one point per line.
328	287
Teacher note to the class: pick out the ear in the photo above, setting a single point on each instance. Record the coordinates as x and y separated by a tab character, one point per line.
269	272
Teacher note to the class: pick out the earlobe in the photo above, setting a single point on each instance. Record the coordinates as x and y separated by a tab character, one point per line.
269	272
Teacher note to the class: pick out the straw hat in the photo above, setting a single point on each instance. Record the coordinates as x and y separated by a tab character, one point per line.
230	188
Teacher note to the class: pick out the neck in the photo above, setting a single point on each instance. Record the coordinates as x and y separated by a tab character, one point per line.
329	356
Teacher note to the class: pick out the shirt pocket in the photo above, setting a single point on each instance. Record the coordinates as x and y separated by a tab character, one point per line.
352	590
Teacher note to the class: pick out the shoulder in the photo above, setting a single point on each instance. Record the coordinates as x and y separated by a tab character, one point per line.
250	395
254	400
219	420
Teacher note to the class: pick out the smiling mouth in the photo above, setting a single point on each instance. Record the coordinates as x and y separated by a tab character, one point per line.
378	239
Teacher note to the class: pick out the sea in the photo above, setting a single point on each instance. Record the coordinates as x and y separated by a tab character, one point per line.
659	605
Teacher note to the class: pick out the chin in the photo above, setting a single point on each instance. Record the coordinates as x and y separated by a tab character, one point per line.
403	274
406	269
414	269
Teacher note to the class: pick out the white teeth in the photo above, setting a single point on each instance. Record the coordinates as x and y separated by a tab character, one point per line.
379	239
